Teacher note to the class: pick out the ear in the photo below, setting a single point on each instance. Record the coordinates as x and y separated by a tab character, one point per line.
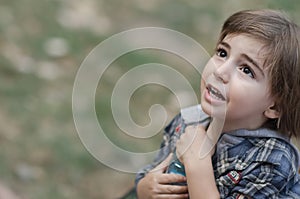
272	112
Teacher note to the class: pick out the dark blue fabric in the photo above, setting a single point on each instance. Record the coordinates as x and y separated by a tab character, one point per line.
265	161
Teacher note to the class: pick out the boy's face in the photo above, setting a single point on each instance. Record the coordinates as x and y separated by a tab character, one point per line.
235	78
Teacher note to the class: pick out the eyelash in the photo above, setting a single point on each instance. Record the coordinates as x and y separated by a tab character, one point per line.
252	74
220	50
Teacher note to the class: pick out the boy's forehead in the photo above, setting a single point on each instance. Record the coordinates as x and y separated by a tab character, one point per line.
247	44
242	36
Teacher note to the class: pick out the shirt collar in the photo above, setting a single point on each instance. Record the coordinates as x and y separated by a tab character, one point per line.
259	133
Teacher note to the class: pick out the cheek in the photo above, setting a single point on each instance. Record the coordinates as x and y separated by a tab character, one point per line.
208	69
203	82
250	99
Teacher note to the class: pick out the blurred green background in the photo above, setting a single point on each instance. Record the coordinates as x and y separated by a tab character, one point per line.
43	43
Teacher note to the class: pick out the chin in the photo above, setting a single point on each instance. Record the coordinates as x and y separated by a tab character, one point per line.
206	109
215	112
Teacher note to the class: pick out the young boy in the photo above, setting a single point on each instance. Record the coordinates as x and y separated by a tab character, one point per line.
255	74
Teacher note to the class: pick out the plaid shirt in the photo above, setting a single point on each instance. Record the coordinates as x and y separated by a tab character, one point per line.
256	164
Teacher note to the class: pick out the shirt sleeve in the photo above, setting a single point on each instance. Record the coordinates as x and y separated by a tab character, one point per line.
166	148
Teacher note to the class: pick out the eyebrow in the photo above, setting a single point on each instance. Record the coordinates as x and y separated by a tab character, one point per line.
245	56
253	62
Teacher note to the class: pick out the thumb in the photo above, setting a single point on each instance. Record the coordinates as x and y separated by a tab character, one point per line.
161	168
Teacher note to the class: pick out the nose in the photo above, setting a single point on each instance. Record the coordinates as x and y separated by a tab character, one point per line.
222	71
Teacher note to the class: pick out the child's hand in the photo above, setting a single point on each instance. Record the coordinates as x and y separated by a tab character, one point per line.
194	144
156	184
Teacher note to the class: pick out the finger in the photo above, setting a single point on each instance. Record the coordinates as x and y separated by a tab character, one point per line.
213	133
206	148
186	140
168	178
195	128
215	129
163	165
191	129
174	189
173	196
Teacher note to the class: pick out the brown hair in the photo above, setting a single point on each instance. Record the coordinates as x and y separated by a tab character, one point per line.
280	37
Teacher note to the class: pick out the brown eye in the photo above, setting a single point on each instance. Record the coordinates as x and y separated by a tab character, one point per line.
247	70
221	53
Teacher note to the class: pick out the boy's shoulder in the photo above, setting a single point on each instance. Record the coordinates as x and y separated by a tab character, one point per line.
281	154
270	164
261	146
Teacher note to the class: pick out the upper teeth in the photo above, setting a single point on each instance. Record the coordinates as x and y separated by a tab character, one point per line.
215	93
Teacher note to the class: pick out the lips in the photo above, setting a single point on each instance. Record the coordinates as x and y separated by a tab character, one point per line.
215	93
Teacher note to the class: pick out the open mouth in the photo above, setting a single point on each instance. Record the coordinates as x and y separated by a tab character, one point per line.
215	93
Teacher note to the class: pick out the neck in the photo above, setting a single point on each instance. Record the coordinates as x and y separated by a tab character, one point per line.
228	128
